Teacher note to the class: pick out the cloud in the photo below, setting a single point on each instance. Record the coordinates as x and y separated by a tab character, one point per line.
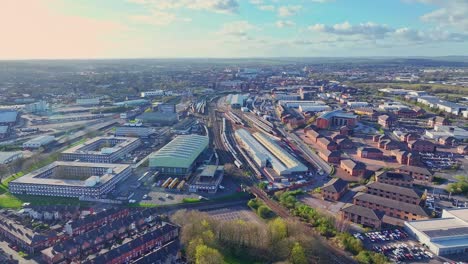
157	18
285	11
450	13
217	6
266	7
237	29
285	23
369	29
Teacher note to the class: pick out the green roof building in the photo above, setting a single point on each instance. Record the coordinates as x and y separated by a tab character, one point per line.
179	155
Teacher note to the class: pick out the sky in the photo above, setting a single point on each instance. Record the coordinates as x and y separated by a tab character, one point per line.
67	29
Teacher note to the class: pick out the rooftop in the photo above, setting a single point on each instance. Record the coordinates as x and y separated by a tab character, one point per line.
8	116
393	189
181	152
337	113
411	208
64	173
335	185
362	211
7	155
101	145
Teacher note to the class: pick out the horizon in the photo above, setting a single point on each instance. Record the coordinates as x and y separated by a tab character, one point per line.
227	29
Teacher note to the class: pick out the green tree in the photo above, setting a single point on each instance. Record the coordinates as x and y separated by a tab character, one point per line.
298	255
278	229
264	211
207	255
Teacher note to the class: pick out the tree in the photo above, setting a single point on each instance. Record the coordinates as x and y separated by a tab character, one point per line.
278	229
298	255
264	211
207	255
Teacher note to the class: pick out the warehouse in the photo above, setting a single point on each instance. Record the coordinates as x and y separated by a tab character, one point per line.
179	156
207	179
8	117
443	236
71	179
38	142
7	157
292	164
281	162
158	118
134	131
236	100
101	149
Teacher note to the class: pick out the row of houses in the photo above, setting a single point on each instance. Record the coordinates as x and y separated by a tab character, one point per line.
388	200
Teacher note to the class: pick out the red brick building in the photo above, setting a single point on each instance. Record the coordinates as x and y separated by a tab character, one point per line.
420	145
369	153
394	178
448	141
345	143
362	215
334	189
406	137
336	118
463	149
313	135
353	168
327	143
386	121
392	208
388	144
406	113
438	121
397	193
330	156
418	173
407	158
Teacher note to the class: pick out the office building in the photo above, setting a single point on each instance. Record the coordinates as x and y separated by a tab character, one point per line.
101	149
207	179
71	179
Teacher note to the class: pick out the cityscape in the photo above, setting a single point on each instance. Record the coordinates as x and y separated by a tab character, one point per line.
237	153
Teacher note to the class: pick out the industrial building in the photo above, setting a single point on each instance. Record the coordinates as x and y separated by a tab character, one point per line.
134	131
101	149
178	157
4	131
37	107
158	118
152	93
88	101
236	100
184	127
8	117
265	153
292	164
137	102
7	157
38	142
440	131
443	236
71	179
207	179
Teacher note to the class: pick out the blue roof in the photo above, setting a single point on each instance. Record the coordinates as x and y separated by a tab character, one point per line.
8	116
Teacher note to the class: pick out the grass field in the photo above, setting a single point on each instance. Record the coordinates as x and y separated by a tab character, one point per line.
8	200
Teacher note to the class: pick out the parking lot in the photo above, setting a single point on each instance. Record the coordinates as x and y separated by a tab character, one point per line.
440	160
396	245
